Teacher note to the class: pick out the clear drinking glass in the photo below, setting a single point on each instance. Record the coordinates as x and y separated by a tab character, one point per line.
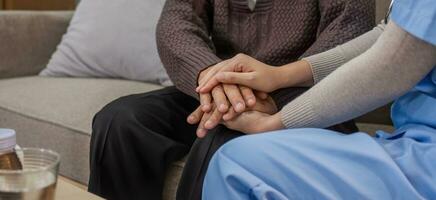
36	181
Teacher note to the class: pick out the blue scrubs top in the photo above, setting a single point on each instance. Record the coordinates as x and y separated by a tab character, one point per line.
322	164
413	144
418	17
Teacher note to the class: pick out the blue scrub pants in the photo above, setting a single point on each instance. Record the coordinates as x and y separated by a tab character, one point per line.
322	164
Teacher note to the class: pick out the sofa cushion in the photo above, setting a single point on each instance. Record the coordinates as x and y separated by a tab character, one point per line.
68	102
56	113
73	146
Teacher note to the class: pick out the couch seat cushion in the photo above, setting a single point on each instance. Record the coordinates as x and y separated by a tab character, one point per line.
56	113
68	102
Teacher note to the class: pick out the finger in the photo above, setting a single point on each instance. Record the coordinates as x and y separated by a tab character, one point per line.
261	95
248	95
201	131
214	120
210	79
195	116
230	115
202	80
208	86
242	78
228	66
211	72
220	99
234	95
217	68
205	101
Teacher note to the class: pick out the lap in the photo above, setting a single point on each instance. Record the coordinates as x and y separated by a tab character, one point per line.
191	183
161	112
311	163
137	137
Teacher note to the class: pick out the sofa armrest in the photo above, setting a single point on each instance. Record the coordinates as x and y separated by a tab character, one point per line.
28	39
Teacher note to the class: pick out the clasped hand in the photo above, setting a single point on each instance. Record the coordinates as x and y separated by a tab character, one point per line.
234	93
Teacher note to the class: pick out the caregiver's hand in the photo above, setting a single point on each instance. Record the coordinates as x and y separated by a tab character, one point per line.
255	122
220	99
224	95
245	70
257	75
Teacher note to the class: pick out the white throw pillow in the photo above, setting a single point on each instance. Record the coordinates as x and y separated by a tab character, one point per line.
111	39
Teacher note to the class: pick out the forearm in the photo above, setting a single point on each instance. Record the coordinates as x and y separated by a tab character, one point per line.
312	69
391	67
322	64
184	44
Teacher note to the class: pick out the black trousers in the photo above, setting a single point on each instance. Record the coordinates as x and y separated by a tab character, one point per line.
136	137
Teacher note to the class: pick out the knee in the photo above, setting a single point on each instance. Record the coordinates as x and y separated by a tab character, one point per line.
108	112
241	144
112	123
256	150
111	127
242	150
229	166
110	118
117	114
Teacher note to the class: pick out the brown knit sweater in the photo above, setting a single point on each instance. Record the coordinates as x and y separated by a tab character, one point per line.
277	32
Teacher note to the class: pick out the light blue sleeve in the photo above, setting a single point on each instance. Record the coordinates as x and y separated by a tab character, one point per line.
418	17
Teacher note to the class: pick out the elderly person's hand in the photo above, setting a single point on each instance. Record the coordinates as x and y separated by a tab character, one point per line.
248	74
224	95
218	101
209	120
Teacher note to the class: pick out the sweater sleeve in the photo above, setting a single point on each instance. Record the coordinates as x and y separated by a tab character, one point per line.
184	44
323	64
339	22
390	68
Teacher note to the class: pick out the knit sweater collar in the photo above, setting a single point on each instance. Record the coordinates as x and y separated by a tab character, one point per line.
251	4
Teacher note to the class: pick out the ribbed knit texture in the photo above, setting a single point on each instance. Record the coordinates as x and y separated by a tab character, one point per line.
276	32
298	114
376	77
323	64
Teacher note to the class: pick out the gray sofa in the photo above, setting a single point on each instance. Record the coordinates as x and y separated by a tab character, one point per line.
56	113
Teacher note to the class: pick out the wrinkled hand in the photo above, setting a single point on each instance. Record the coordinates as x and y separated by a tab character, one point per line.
243	70
251	122
266	105
209	120
224	95
220	99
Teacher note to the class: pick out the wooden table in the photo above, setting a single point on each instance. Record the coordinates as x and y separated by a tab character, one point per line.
69	190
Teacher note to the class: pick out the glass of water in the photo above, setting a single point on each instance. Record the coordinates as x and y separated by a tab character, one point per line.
36	181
